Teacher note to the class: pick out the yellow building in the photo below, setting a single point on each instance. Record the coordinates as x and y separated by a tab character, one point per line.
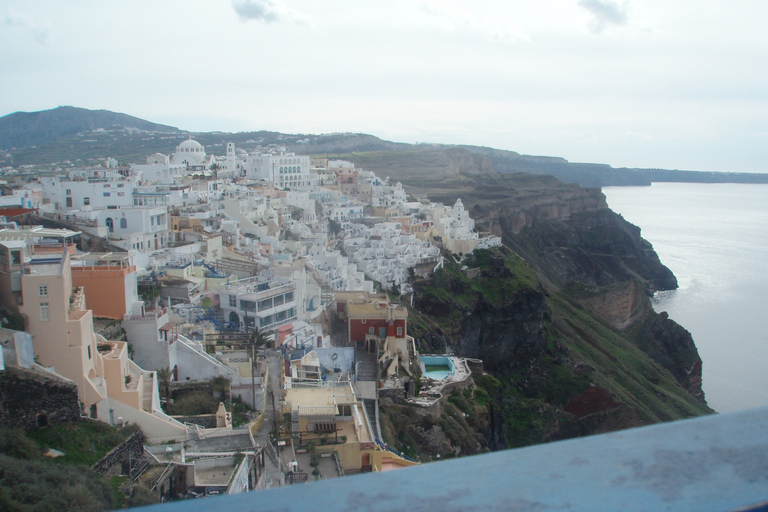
110	385
334	420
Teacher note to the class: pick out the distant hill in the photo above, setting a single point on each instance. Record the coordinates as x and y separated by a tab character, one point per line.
82	136
22	129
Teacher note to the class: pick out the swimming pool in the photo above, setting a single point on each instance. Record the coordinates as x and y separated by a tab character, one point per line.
437	367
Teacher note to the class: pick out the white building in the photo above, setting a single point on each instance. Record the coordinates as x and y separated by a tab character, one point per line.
160	169
192	154
82	193
457	229
259	301
286	170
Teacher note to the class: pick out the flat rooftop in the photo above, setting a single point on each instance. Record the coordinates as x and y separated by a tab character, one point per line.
319	397
374	309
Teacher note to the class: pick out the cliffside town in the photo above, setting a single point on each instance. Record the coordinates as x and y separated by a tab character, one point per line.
364	325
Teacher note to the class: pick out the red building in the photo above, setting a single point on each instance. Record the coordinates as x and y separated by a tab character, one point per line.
378	318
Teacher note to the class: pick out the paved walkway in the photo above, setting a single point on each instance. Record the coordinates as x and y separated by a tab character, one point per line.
273	476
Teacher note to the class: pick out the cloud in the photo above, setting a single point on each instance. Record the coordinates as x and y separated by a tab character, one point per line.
457	20
41	31
605	13
267	11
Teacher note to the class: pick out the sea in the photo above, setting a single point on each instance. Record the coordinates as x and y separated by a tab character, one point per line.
714	238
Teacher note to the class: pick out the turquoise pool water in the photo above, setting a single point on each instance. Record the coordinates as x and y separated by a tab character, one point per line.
437	367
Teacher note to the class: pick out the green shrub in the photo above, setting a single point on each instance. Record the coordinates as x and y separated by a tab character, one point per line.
15	443
194	404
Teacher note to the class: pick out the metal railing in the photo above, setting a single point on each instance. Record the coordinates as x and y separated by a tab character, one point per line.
387	448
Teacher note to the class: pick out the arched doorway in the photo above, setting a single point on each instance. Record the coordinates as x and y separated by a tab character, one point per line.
110	224
234	318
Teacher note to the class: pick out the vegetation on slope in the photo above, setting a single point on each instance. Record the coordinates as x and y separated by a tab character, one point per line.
32	482
556	368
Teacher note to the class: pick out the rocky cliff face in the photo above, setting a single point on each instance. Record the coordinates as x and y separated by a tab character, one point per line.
577	241
563	319
497	328
565	362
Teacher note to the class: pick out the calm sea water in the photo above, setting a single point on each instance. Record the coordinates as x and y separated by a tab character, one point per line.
714	237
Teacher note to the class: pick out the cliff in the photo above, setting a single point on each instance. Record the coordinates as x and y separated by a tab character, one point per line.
558	366
561	317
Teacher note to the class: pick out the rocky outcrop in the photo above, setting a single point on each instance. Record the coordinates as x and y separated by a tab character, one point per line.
627	307
672	346
503	333
622	305
502	326
513	216
590	247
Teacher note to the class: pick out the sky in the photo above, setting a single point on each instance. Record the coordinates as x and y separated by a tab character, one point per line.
630	83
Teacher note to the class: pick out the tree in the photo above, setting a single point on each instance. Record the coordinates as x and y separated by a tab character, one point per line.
334	228
164	381
257	340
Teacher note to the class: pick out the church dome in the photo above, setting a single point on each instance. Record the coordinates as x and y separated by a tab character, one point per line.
190	144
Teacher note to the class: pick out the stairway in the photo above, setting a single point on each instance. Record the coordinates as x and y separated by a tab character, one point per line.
146	392
366	365
370	411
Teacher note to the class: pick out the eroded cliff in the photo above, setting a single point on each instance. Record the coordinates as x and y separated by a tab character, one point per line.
557	367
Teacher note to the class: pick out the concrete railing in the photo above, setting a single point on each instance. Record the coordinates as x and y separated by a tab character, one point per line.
712	463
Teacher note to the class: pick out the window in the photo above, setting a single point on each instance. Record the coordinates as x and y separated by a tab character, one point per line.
69	191
123	223
42	290
69	202
232	301
86	201
15	257
363	320
107	194
370	330
399	331
44	313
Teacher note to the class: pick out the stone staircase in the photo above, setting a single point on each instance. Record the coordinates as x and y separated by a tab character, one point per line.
146	391
366	365
370	410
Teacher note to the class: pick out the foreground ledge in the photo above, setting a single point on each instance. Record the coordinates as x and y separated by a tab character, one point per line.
716	463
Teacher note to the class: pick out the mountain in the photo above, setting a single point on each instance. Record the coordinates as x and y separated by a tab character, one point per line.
22	129
54	136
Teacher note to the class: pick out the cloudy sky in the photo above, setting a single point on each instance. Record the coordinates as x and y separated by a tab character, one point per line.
639	83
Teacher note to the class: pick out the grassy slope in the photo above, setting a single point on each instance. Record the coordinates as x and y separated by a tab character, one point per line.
30	481
581	351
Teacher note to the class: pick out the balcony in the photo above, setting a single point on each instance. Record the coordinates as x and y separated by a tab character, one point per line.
150	315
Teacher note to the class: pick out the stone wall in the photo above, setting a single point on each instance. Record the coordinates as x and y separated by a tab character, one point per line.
204	420
126	455
424	406
475	366
29	399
